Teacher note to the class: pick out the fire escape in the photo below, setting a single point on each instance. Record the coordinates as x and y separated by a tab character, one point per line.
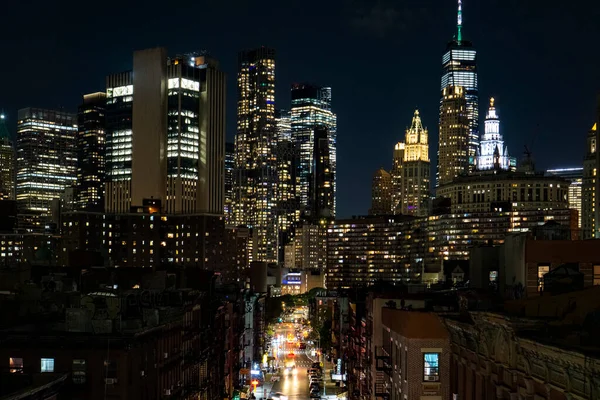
383	371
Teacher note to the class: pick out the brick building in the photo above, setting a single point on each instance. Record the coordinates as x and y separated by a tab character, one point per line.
414	359
541	348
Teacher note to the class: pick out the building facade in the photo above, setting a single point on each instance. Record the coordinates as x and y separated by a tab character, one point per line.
414	359
454	142
381	193
46	162
91	150
589	197
7	162
575	178
229	176
492	153
310	115
459	69
255	186
505	191
396	174
177	108
415	169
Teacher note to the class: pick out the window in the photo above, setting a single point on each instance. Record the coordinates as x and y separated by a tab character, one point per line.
542	270
596	274
47	365
405	364
79	370
16	365
431	367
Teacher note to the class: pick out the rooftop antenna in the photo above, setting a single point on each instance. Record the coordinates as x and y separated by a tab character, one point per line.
459	22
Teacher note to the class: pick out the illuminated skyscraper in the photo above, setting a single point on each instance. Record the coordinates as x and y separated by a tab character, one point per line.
90	152
396	175
459	68
381	193
165	129
590	207
415	169
492	153
453	152
311	110
575	178
7	163
229	171
46	162
321	191
255	185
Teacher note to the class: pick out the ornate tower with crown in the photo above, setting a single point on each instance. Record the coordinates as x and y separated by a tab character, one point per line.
492	154
415	169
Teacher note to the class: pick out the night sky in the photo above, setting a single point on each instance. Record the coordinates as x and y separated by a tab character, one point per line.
382	58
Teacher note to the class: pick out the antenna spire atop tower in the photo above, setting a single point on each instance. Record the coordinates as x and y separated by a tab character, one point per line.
459	22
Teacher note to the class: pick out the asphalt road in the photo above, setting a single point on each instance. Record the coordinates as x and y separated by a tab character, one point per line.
295	387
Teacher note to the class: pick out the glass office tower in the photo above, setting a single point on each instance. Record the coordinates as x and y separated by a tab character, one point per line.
311	109
459	68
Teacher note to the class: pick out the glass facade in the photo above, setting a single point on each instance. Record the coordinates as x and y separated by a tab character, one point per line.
575	178
46	160
91	152
459	68
311	109
7	163
229	168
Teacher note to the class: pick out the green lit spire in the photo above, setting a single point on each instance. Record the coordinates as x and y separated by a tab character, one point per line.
459	22
3	129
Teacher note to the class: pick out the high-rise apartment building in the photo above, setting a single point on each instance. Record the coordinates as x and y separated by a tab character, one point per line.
590	207
90	152
459	68
396	174
7	162
492	153
229	171
170	111
46	162
255	185
415	169
454	147
381	193
310	112
575	178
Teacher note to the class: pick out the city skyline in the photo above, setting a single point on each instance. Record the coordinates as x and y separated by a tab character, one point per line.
525	117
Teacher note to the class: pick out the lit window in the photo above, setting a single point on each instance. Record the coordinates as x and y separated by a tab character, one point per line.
431	367
542	270
47	365
16	365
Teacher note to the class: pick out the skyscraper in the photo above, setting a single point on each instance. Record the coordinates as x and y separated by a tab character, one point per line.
459	68
172	112
7	163
311	110
575	178
255	185
590	207
396	174
90	152
492	154
381	193
415	169
321	191
229	168
46	162
453	152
